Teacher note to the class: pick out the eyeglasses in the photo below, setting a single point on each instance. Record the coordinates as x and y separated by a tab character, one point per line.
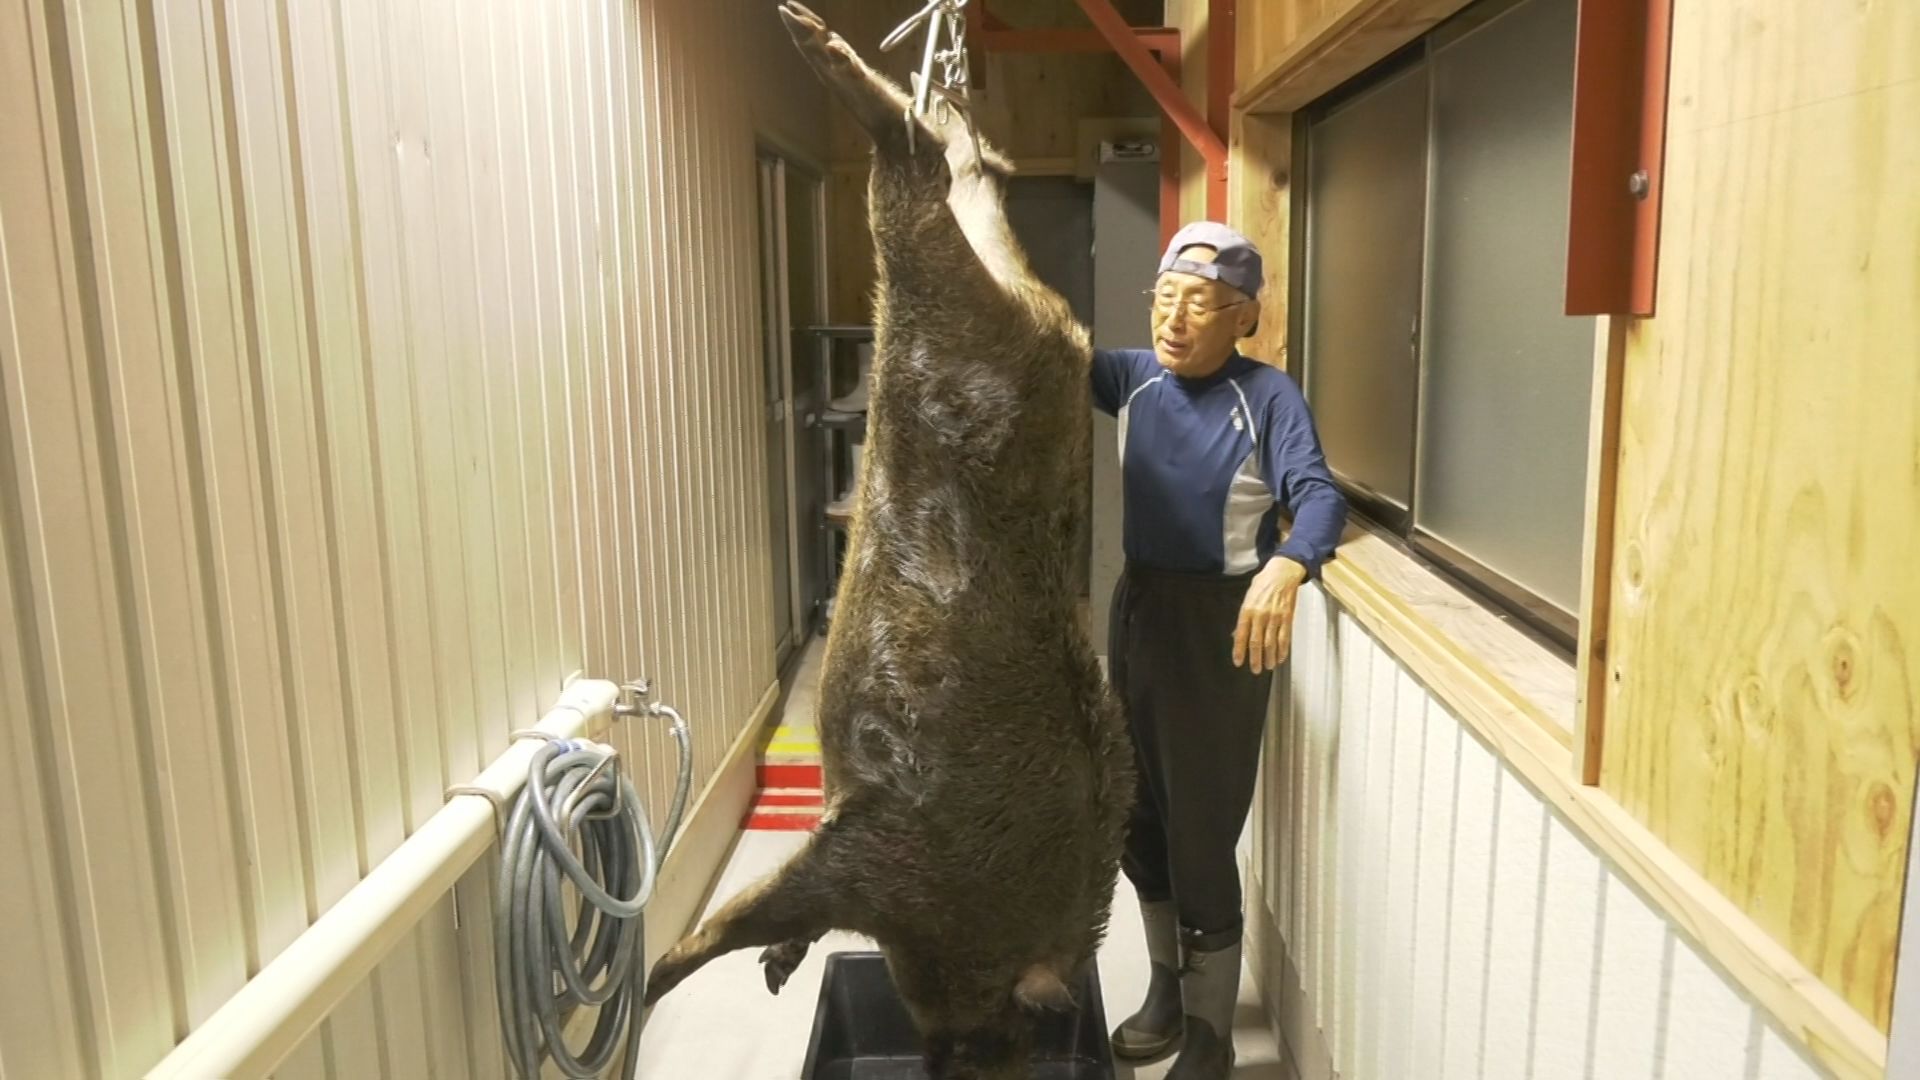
1165	304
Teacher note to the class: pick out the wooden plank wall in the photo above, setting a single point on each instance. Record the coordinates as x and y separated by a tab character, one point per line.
366	368
1765	643
1759	707
1442	921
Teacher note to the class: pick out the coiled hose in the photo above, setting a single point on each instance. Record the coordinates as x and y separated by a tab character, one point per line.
580	819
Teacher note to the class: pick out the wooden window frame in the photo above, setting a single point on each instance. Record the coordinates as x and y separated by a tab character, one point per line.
1511	691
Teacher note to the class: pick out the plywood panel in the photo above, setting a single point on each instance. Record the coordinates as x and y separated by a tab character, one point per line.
1259	180
357	389
1761	718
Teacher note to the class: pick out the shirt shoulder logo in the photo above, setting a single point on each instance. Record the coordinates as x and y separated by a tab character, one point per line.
1239	423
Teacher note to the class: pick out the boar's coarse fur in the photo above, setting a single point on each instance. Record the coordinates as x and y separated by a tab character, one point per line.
978	774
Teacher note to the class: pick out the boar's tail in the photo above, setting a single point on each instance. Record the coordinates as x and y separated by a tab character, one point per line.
1041	987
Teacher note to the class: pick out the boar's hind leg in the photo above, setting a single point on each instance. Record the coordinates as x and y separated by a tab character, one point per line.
875	101
908	182
977	199
793	903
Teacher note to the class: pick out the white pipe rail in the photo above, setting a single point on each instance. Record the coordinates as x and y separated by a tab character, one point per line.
277	1009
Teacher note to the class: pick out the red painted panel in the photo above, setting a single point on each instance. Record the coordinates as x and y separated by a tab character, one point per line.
790	776
1619	131
782	822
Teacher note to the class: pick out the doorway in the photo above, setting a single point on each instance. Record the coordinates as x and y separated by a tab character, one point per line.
793	296
1052	218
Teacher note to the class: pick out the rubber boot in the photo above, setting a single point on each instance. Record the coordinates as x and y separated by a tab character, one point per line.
844	504
1154	1029
855	400
1210	987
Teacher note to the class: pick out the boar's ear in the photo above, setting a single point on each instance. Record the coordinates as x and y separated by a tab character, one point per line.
1040	988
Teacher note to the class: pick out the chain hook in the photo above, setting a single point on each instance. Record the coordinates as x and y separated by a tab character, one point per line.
953	84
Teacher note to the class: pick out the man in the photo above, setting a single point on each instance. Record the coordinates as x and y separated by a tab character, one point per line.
1212	446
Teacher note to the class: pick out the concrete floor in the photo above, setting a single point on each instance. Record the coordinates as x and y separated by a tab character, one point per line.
723	1025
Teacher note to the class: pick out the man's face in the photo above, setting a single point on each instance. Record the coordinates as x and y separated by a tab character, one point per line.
1193	338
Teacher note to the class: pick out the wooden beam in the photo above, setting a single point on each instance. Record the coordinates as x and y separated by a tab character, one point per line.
1596	563
1156	39
1341	45
1221	16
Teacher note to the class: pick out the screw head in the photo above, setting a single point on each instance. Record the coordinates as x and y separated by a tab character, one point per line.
1639	184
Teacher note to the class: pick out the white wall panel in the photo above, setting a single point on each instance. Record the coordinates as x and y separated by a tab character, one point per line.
367	367
1443	921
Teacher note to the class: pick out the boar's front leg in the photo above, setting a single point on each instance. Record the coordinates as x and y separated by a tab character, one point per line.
795	902
782	960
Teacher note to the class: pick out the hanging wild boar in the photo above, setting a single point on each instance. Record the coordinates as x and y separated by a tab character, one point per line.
978	774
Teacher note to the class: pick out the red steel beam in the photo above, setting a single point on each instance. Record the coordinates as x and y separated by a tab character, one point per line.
1164	87
1157	39
1153	54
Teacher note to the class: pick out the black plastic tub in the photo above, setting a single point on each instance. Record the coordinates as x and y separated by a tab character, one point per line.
861	1030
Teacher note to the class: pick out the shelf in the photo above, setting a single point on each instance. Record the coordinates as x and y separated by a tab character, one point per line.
843	330
835	418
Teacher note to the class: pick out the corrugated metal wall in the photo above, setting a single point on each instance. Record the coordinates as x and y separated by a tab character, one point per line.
1445	923
369	367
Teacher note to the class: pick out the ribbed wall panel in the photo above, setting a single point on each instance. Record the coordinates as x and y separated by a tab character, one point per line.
1443	921
369	367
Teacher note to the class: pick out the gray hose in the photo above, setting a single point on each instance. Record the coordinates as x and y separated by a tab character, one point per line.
578	799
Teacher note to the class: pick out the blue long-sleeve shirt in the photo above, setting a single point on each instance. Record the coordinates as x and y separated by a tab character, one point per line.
1207	464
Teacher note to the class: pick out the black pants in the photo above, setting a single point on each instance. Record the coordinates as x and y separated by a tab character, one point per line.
1196	721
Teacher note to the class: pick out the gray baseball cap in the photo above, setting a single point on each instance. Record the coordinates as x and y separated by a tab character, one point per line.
1236	261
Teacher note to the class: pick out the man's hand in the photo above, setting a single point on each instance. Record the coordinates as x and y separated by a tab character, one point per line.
1265	632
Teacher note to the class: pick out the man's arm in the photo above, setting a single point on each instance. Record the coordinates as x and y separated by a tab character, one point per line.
1112	375
1297	473
1301	482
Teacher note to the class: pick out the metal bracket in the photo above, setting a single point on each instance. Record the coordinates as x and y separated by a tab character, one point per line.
955	77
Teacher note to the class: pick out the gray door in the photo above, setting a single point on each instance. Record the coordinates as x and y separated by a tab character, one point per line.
1052	217
778	405
1126	228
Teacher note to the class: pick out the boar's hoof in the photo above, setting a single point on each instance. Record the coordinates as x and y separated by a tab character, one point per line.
782	960
810	33
662	978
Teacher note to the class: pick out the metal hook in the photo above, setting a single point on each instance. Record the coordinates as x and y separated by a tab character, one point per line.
900	32
953	83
